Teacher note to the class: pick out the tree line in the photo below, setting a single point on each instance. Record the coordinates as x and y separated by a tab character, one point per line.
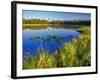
59	22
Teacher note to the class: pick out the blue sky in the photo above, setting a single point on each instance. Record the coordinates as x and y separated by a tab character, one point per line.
29	14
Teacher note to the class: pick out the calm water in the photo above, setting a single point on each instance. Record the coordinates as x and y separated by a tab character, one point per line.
46	39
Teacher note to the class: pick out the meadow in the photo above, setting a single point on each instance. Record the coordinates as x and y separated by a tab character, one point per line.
76	53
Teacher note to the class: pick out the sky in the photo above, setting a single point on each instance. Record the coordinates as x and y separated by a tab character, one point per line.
52	15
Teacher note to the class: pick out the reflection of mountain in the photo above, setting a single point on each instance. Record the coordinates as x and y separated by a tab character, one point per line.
49	28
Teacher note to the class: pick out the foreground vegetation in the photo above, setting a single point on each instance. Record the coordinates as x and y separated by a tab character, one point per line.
73	54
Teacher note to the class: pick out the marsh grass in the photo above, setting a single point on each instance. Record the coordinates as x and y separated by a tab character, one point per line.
73	54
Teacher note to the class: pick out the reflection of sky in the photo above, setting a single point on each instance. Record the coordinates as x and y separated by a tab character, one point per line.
28	14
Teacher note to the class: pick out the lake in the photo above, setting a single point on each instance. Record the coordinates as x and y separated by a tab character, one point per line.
46	39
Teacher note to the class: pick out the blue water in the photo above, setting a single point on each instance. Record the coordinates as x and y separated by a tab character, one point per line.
46	39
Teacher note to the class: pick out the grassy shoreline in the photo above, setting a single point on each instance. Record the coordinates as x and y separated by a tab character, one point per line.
42	26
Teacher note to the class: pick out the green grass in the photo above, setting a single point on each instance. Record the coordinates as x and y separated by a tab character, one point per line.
73	54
